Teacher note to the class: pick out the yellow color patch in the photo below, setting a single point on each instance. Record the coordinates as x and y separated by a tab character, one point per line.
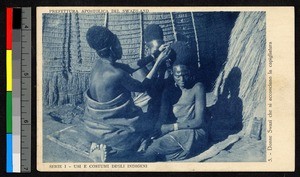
8	70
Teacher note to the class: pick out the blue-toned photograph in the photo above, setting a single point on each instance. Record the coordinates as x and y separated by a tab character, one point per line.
154	87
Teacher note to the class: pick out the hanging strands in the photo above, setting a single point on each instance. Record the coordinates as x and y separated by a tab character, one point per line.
68	44
79	57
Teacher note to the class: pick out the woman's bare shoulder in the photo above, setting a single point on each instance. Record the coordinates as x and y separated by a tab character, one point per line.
198	86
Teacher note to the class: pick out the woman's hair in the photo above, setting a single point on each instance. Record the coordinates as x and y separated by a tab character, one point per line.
184	55
101	39
153	32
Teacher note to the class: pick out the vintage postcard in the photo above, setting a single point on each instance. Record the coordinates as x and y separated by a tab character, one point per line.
165	89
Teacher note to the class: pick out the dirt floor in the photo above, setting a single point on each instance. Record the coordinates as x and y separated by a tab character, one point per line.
245	150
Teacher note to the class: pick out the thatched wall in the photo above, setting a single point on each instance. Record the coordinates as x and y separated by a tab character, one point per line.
67	58
244	71
67	55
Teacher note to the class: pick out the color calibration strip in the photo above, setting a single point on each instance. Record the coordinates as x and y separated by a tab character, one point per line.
9	85
18	116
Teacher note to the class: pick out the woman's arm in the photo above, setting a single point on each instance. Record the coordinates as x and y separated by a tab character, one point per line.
134	66
200	103
160	59
134	85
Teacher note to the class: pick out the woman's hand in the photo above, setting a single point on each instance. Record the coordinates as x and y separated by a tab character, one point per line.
144	145
161	58
164	46
163	55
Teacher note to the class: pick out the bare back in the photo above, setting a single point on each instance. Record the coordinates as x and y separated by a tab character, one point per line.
105	82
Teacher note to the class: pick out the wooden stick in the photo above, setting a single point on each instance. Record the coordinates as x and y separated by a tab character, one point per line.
142	36
215	149
106	20
196	39
173	26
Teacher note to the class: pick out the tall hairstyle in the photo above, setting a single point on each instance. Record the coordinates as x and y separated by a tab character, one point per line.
153	32
185	55
101	39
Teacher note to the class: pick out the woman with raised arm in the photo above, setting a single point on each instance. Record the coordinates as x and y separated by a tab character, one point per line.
112	122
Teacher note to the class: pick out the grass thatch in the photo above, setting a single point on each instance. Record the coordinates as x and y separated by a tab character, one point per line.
247	52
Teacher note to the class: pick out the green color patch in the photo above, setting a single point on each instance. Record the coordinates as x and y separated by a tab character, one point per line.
8	112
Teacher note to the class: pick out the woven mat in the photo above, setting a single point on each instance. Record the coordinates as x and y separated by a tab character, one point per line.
72	139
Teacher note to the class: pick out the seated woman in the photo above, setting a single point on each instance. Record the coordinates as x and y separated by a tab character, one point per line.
182	122
111	119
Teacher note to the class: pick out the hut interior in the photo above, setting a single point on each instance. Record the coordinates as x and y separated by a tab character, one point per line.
230	52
